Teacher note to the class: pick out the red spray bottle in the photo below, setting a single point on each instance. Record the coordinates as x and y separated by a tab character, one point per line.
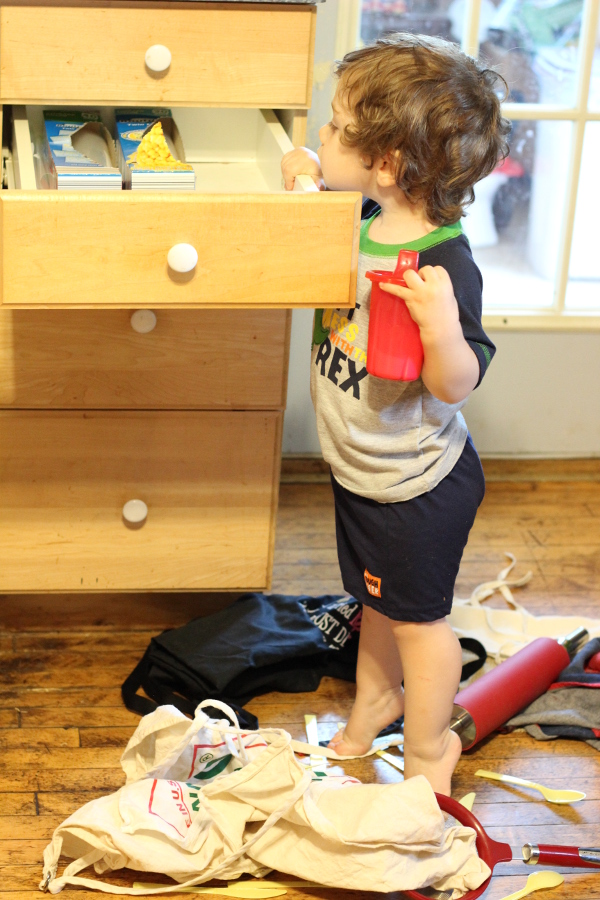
394	347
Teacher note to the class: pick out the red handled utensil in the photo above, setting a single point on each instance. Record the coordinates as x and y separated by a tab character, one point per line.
493	852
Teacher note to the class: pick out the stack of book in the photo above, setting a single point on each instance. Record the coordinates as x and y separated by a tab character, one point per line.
150	152
82	153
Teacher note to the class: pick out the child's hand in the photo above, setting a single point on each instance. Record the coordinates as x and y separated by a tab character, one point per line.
301	161
430	299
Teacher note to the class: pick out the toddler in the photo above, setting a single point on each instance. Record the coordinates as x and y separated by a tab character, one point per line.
416	123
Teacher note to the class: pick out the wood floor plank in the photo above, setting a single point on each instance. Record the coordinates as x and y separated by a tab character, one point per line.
17	878
107	737
51	758
27	828
86	641
18	804
22	852
9	718
64	803
537	813
67	779
78	716
16	738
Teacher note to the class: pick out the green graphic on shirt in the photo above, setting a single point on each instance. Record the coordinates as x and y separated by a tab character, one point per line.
320	333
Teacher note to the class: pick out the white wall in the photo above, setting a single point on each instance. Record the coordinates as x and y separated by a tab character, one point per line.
541	396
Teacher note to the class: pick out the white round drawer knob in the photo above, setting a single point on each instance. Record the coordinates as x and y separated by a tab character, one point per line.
158	58
143	321
182	258
135	512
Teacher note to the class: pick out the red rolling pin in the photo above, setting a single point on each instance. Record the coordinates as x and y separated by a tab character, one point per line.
497	696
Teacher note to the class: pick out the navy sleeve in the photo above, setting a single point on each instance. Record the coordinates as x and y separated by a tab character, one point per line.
456	257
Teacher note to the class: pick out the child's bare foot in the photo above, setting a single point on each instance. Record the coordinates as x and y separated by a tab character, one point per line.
367	719
437	769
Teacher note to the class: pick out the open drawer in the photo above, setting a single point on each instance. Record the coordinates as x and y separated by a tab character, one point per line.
257	245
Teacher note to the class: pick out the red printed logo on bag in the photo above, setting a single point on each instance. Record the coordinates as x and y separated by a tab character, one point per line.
373	584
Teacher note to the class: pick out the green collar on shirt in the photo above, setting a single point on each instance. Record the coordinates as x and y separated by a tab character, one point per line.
438	236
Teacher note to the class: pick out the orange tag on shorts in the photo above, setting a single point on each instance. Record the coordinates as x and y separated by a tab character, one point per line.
373	584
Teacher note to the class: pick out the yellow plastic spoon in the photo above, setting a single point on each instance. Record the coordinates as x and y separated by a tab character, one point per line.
551	794
537	881
468	800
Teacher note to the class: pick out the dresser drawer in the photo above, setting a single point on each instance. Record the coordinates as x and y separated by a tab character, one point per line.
191	359
257	245
221	55
208	480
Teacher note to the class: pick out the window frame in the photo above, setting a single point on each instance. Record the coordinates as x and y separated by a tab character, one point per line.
555	317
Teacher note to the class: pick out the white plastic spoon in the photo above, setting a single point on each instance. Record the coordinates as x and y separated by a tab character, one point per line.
551	794
392	760
537	881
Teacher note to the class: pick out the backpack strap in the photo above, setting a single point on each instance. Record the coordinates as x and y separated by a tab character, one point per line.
476	647
162	695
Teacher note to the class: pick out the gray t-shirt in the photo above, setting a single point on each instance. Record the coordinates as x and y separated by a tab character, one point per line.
391	440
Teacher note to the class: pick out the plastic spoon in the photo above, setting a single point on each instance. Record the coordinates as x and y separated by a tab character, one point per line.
243	891
468	800
392	760
312	736
551	794
537	881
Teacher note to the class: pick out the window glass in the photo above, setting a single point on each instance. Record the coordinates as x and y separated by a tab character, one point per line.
595	83
514	224
440	18
583	290
534	44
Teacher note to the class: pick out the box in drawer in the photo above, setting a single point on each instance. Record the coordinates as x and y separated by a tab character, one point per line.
208	480
256	244
229	55
190	359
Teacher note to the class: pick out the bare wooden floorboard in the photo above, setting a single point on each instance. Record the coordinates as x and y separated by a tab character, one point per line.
63	658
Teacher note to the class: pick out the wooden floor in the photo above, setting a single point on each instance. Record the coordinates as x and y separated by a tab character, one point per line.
62	660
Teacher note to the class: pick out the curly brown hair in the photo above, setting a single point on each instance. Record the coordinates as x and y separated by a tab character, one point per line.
434	109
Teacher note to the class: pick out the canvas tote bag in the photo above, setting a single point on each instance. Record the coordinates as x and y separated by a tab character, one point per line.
505	631
205	800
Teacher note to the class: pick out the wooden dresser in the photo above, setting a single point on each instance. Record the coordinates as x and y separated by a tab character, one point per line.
120	378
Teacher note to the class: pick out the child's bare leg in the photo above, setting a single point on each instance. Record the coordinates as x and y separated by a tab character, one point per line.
379	698
431	659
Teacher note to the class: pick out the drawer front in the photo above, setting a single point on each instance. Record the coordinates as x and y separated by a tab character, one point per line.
237	55
208	479
259	250
191	359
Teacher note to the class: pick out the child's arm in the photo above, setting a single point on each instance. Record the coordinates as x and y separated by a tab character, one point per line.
450	367
301	161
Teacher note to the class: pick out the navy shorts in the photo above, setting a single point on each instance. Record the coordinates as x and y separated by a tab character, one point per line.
402	558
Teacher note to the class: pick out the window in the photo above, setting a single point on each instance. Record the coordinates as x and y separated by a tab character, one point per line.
533	225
